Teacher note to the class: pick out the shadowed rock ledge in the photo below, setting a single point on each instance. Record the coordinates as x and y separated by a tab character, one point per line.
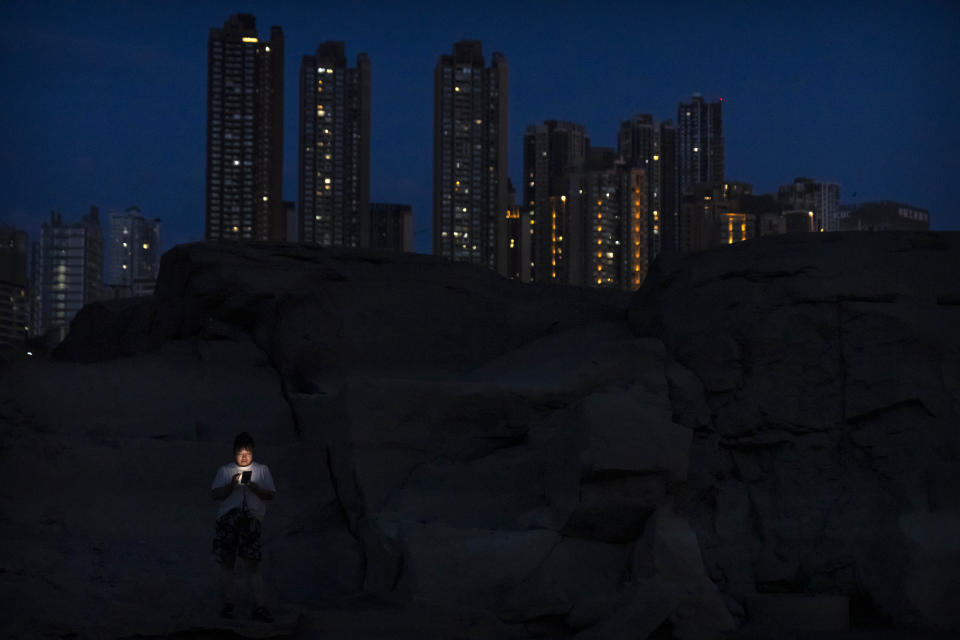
825	458
770	435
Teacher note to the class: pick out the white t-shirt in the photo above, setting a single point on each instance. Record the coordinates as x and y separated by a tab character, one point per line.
242	495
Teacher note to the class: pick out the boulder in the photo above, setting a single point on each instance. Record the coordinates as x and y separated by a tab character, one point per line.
828	365
772	613
458	455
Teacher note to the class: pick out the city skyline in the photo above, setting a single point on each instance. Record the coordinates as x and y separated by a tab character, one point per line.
776	124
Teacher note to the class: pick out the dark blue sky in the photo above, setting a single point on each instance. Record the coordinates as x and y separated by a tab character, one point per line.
105	103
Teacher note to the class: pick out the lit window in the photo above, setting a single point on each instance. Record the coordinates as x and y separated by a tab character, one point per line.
265	198
236	163
267	49
321	70
146	246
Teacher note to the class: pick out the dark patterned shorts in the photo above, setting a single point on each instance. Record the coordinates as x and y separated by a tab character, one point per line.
238	533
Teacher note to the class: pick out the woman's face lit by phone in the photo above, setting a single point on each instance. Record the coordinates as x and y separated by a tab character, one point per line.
244	457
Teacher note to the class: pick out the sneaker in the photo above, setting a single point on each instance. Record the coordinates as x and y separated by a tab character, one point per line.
262	614
226	611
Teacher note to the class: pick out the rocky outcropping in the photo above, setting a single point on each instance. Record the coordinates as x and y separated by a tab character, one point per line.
462	456
829	462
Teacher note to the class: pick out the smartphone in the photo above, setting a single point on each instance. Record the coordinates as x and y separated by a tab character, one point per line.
245	477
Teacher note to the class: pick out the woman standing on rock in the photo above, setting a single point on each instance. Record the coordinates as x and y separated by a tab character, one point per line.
243	486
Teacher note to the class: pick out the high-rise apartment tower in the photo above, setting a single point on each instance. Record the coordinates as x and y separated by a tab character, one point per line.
244	198
598	238
643	144
391	226
699	147
334	167
133	252
550	150
68	271
14	302
470	199
699	142
822	199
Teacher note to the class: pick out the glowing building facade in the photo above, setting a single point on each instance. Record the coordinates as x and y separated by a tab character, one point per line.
518	242
68	271
470	200
644	144
700	146
598	231
334	152
822	198
244	133
550	151
133	252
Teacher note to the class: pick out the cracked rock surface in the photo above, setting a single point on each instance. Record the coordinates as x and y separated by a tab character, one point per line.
458	455
829	464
